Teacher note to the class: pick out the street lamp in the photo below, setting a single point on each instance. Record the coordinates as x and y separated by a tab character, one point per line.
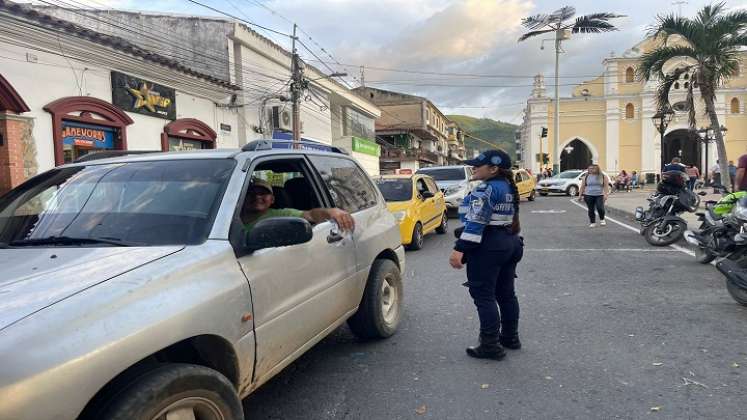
661	120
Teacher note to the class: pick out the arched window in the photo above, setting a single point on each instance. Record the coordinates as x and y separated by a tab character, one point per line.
687	76
735	106
629	75
687	85
676	85
82	124
629	112
187	134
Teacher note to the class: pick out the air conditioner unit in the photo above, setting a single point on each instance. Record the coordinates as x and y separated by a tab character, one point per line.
280	119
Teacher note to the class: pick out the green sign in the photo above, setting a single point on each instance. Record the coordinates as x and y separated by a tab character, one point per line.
366	146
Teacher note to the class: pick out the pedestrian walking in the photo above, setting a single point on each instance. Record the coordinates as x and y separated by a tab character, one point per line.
594	191
490	246
693	174
715	176
732	173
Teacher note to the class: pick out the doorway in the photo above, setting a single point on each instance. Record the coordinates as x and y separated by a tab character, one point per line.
575	155
684	144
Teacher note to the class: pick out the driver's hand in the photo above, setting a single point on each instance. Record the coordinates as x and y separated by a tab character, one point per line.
343	219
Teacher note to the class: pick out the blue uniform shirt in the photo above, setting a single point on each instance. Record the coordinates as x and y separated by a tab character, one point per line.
490	204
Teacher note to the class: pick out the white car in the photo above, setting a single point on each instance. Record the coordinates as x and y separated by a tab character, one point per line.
566	182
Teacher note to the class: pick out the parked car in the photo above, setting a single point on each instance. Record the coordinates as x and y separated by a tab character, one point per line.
417	204
454	181
525	183
130	288
566	182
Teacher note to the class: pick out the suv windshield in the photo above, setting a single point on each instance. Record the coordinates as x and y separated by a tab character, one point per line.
395	189
136	203
569	174
444	174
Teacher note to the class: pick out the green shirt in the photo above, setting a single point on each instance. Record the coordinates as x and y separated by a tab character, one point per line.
273	213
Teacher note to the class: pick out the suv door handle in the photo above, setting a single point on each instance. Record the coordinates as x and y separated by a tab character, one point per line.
334	237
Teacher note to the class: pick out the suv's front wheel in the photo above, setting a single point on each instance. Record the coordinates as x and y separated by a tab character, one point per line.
179	391
381	307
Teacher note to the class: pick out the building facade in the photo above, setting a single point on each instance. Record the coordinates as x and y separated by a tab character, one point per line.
412	131
223	48
608	120
68	91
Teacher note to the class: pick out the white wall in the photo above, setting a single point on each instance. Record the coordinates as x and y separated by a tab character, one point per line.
369	163
53	77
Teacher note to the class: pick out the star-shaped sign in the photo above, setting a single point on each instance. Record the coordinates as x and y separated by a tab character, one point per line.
145	97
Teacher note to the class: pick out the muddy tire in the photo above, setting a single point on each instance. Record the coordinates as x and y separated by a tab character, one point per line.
380	310
737	293
703	255
177	390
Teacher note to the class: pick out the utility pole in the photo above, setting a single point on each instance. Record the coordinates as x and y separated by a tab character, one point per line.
560	34
363	77
296	89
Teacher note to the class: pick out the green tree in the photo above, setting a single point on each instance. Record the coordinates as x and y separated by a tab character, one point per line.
709	44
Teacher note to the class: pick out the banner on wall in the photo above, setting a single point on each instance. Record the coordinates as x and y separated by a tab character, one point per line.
143	97
88	136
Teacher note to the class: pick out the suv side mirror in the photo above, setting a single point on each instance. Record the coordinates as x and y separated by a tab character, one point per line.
276	232
427	194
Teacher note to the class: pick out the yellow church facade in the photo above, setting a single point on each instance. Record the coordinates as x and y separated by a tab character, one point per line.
608	120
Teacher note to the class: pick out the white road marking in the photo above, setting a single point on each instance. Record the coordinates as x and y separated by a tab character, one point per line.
549	211
636	230
600	249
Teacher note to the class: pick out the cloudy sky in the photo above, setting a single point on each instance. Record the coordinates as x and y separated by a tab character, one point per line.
473	37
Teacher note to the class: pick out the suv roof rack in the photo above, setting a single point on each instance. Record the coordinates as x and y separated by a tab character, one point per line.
106	154
270	144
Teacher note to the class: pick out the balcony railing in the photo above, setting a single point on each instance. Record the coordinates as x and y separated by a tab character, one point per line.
410	153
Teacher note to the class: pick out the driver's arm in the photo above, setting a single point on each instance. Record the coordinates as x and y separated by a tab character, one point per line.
341	217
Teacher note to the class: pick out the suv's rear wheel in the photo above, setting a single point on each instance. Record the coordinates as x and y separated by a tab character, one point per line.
417	238
381	307
572	190
177	391
532	196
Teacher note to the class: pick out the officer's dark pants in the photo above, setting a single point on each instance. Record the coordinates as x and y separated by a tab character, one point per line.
491	270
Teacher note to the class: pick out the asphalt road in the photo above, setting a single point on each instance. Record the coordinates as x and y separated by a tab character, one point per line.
612	328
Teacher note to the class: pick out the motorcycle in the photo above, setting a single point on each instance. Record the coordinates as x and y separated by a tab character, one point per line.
719	234
661	224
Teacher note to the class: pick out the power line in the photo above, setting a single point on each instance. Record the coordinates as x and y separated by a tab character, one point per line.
321	48
160	42
435	73
239	19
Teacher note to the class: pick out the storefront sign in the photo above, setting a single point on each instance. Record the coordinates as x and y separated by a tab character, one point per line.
367	147
143	97
225	127
87	136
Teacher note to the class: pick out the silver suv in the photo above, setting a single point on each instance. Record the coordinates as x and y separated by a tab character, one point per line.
130	288
454	181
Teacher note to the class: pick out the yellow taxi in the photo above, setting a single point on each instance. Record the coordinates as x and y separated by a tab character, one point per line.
417	204
525	183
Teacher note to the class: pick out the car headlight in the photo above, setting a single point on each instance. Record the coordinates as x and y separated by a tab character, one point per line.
400	215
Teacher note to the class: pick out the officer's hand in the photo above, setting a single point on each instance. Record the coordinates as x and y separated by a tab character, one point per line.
456	259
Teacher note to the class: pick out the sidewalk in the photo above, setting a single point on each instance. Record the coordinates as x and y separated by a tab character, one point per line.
623	204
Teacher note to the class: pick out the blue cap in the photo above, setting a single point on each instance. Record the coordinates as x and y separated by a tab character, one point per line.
495	157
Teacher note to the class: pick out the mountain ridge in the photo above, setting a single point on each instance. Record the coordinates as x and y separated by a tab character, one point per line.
498	133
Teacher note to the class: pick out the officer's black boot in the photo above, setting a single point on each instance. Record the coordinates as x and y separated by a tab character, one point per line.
509	337
489	348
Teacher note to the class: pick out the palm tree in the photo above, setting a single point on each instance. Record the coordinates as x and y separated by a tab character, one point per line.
709	45
559	22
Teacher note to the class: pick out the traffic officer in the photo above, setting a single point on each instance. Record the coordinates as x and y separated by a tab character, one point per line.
490	246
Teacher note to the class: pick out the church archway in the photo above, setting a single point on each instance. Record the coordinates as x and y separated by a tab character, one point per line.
575	155
681	143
